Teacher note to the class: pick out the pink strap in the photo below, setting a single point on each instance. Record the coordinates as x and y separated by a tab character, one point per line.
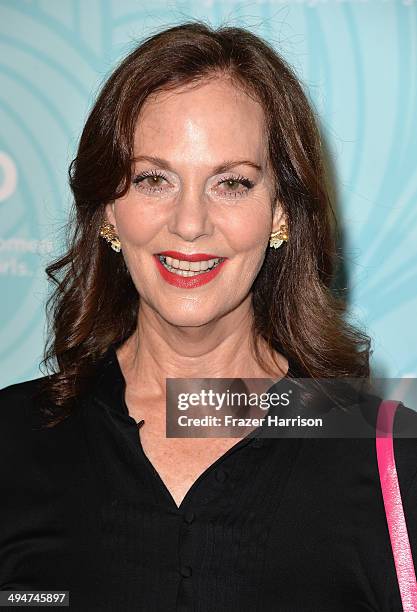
393	506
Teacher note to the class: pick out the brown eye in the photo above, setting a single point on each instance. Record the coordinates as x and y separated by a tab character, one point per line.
153	179
231	182
149	181
234	186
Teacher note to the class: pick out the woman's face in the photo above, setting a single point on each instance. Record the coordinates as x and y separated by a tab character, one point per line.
184	199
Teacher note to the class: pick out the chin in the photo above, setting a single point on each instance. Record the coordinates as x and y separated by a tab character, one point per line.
188	318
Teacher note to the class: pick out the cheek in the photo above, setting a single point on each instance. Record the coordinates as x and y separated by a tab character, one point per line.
137	228
247	231
138	224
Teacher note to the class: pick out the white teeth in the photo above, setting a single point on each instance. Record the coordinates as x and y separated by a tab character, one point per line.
195	266
188	268
199	265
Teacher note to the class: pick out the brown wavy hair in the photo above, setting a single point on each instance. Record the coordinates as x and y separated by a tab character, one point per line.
94	302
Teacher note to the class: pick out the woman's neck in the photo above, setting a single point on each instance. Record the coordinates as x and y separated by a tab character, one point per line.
221	349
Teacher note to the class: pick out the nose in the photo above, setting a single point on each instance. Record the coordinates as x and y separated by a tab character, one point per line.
190	218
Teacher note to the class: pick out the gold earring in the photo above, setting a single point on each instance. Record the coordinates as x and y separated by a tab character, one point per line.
277	238
108	232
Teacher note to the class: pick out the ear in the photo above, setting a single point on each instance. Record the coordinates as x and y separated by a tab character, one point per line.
109	214
278	218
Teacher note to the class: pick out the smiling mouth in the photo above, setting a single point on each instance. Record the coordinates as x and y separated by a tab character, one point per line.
189	268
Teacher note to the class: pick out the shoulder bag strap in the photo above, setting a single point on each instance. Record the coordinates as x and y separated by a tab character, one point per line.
393	506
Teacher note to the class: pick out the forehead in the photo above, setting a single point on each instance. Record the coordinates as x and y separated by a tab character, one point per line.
214	118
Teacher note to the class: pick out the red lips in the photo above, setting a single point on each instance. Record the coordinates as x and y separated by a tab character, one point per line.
188	282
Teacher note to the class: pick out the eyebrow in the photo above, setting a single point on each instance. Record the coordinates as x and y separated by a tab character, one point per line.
224	167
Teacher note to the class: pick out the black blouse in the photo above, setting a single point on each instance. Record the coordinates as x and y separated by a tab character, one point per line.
275	524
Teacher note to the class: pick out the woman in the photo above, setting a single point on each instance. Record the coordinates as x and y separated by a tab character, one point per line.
203	247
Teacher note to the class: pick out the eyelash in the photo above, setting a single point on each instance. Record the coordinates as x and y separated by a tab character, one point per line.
246	182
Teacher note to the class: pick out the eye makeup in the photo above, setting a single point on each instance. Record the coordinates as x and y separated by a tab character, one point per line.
155	186
139	180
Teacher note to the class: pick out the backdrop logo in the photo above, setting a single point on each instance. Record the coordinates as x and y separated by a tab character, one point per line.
8	176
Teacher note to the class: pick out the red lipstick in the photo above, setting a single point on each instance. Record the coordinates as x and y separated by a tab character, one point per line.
188	282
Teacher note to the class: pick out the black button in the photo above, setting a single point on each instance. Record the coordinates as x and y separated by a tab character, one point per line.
221	475
185	571
189	516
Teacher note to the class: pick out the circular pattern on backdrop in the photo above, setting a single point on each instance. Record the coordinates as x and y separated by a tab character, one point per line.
358	62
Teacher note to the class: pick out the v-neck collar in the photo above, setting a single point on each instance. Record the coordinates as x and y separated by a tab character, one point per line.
109	390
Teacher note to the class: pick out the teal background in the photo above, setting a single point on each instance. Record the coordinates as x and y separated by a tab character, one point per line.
358	61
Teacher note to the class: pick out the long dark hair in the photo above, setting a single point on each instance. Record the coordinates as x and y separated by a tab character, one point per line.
94	303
